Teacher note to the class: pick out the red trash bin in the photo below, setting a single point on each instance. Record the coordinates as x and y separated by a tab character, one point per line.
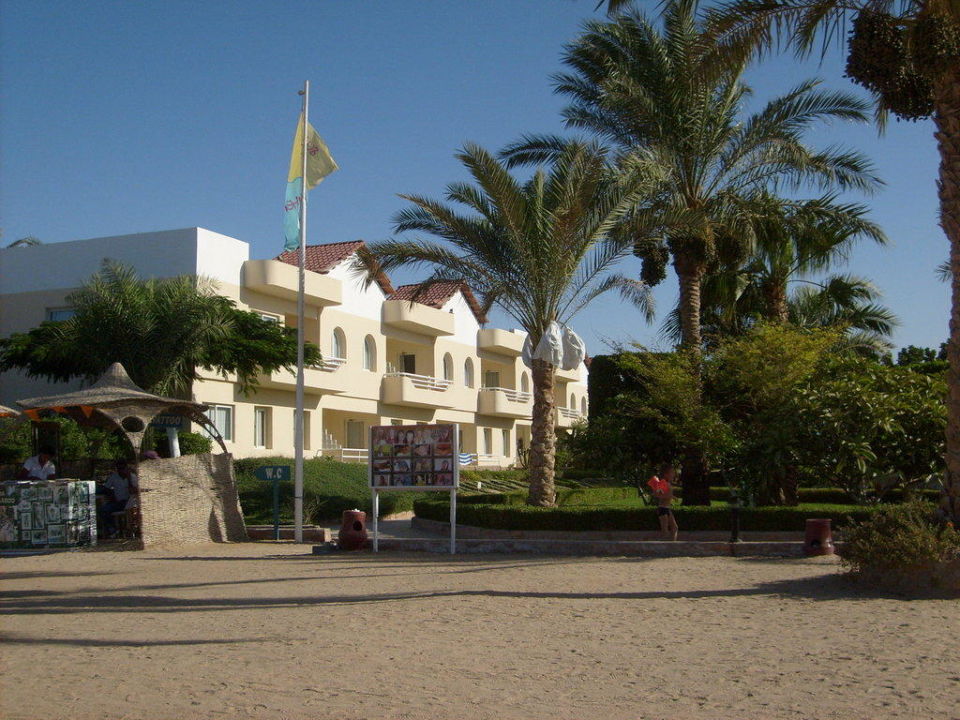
353	530
818	539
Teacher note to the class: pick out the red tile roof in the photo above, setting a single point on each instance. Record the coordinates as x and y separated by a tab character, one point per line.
435	295
323	258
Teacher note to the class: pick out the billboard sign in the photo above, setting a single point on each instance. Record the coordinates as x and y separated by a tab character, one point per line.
414	457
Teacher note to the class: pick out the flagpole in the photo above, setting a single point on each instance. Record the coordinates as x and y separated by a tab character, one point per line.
298	412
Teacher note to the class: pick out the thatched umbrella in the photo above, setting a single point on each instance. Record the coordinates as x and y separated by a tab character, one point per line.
116	402
6	412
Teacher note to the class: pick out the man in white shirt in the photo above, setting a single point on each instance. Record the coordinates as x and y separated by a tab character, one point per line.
120	487
39	467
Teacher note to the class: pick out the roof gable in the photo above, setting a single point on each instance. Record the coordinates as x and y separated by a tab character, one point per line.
437	294
322	259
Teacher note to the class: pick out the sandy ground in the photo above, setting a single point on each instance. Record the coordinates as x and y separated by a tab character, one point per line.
269	631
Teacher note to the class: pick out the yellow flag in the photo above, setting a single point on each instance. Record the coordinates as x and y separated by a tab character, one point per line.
319	161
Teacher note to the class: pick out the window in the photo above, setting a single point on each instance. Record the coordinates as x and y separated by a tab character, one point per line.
573	402
270	318
408	363
356	437
583	405
448	367
396	422
306	429
369	353
487	441
339	346
222	418
60	314
491	378
524	382
468	373
506	442
261	427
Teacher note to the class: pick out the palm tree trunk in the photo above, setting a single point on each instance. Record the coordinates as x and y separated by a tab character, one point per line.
947	119
775	303
543	437
693	476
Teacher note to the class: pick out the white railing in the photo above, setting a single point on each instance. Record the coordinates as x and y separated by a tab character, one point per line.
345	454
424	382
328	364
511	394
568	413
484	459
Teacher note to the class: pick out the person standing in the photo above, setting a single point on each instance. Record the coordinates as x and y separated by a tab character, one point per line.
662	488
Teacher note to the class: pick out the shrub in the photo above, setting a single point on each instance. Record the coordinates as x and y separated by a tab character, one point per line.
627	514
904	546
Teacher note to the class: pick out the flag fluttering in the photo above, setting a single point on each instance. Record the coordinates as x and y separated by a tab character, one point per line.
319	164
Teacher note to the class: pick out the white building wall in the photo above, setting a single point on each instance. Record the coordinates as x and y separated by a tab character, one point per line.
465	322
365	302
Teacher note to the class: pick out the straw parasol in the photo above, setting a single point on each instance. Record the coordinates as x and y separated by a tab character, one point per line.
116	402
6	412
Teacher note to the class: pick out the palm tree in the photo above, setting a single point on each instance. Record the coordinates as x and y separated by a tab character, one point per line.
674	98
540	250
794	241
908	55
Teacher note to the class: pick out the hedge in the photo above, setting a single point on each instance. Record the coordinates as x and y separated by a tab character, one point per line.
633	516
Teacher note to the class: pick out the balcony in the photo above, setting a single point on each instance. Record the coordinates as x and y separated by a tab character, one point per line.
417	318
322	377
416	390
566	417
279	279
500	341
504	402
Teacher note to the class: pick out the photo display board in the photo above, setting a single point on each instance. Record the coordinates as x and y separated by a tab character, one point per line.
44	513
414	457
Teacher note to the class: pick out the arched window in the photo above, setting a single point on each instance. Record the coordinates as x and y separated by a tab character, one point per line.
524	382
339	346
369	353
468	373
448	367
583	405
573	402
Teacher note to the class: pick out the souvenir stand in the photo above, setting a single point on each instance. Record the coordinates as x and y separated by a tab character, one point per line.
182	500
415	457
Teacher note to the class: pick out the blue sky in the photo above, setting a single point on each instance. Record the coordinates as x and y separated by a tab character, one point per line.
125	117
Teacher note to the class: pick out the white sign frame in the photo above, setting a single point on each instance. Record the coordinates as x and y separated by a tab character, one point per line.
421	458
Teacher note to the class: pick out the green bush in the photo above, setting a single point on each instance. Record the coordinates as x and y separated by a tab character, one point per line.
902	545
329	488
630	514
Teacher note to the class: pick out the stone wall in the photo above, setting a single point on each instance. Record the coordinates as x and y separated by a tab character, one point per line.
190	499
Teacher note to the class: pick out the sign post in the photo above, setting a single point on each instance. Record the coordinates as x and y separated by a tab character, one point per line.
275	473
414	457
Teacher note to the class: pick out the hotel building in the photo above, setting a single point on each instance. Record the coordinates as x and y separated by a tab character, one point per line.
387	359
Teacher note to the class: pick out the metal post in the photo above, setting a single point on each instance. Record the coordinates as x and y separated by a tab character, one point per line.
376	514
453	521
276	507
298	411
734	515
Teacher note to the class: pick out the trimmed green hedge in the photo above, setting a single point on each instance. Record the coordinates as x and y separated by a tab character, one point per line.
631	515
329	488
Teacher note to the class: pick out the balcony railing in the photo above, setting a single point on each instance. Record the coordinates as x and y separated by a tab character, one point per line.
423	382
328	364
568	413
511	394
345	454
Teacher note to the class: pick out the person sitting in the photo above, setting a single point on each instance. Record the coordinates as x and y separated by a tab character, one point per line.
120	488
39	466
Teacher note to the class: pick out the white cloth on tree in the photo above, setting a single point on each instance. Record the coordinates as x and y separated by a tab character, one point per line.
560	346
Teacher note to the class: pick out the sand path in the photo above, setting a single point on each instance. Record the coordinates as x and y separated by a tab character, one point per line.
267	631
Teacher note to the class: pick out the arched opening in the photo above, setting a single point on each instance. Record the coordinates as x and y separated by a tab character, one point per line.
573	402
524	382
448	367
583	406
369	353
468	373
338	348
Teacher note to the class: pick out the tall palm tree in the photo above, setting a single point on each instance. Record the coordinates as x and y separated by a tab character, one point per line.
796	240
540	250
675	98
908	55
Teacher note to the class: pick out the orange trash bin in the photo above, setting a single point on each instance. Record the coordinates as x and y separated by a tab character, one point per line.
353	530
